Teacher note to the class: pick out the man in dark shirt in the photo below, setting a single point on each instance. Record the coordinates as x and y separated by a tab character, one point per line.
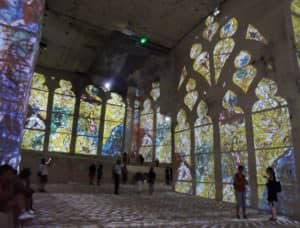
99	173
151	180
240	183
92	172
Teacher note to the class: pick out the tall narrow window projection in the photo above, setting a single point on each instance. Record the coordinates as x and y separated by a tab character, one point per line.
113	126
183	161
62	118
35	125
88	122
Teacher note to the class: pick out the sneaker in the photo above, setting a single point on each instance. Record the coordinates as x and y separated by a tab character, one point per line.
31	212
25	216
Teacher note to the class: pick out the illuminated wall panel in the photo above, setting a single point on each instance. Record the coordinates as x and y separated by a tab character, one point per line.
88	122
113	126
19	38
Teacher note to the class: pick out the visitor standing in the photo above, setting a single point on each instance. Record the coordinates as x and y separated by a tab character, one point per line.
240	183
273	187
43	173
92	173
151	180
99	173
124	174
117	175
167	175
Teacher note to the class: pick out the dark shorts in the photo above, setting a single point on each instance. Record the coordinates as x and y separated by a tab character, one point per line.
43	178
241	199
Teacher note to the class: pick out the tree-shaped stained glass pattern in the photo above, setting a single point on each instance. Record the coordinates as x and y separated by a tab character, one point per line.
183	76
88	122
201	62
146	131
211	28
204	157
113	126
272	140
245	73
62	117
233	142
183	154
163	147
191	97
295	9
224	47
34	133
254	34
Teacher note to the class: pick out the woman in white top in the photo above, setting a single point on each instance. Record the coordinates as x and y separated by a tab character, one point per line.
43	173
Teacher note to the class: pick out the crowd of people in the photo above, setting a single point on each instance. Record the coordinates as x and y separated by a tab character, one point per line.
16	193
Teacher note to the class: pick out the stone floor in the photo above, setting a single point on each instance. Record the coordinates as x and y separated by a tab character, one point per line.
97	207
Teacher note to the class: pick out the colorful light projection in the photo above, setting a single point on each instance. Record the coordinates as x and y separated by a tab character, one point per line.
204	157
113	126
224	47
62	118
19	38
254	34
89	121
135	130
183	154
34	133
128	126
191	97
233	143
295	9
273	141
245	72
146	131
163	146
183	76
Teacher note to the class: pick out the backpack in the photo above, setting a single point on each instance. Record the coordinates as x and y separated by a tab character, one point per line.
278	186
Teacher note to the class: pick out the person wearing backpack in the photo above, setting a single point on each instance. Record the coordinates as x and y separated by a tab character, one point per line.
273	188
239	184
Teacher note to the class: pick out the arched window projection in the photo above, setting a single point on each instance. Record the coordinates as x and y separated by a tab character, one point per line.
113	126
62	117
233	143
34	133
146	131
295	9
88	122
272	140
163	146
183	155
204	157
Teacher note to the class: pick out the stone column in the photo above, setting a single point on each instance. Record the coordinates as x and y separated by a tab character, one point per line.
20	22
75	123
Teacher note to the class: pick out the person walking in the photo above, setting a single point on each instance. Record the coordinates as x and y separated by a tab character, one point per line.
124	174
117	170
92	173
151	180
43	173
273	189
99	173
240	183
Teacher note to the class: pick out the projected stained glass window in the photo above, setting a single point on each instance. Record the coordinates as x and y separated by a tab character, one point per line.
182	77
272	140
233	143
191	97
128	126
183	154
34	133
113	126
146	131
88	121
204	158
163	147
62	117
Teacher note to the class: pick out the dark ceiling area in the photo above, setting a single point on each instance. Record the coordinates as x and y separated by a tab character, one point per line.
99	38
